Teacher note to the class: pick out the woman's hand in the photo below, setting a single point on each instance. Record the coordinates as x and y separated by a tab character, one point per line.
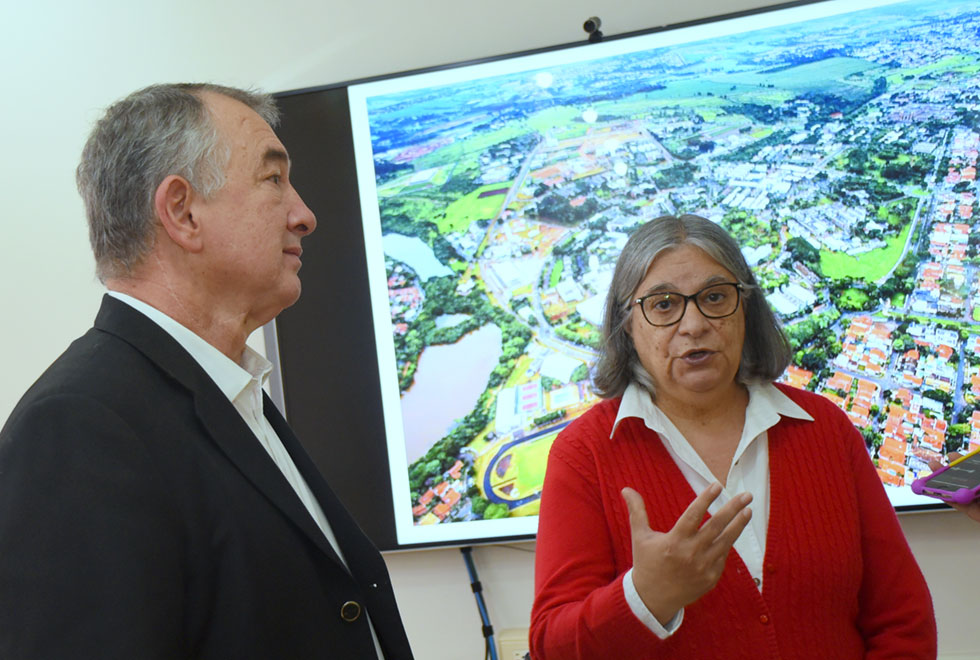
674	569
973	508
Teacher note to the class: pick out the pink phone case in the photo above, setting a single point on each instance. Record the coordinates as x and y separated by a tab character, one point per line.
958	482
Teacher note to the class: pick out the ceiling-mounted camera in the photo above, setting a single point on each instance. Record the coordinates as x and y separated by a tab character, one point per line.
591	26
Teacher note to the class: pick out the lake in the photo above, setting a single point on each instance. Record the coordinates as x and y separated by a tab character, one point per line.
414	252
448	382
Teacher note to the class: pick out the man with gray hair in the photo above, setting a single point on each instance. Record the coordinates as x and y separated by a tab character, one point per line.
153	502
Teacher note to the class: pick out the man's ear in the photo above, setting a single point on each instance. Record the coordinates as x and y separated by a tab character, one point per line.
172	203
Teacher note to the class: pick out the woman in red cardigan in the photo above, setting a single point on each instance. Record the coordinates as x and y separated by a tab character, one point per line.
701	511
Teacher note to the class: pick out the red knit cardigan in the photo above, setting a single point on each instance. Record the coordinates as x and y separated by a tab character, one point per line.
839	578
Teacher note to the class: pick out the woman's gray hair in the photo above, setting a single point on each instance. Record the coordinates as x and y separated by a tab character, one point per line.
152	133
766	352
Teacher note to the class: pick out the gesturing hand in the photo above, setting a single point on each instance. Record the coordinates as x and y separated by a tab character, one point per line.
674	569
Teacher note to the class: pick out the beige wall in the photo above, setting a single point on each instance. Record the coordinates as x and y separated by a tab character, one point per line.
64	61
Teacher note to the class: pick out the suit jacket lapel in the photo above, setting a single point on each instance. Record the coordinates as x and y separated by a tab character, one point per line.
353	542
364	561
239	444
224	424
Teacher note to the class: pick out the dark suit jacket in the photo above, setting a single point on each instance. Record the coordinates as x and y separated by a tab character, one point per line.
141	518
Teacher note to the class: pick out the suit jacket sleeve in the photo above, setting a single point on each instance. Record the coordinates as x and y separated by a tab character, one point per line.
80	486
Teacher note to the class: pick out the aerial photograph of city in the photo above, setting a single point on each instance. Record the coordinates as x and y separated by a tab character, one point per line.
841	153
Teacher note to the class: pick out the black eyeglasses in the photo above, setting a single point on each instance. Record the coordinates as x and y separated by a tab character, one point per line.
715	301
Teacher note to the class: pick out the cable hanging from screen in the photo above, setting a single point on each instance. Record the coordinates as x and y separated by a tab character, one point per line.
491	648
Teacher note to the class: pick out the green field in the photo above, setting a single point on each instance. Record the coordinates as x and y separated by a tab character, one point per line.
550	118
870	266
826	76
556	272
530	459
958	63
464	152
472	207
414	206
853	299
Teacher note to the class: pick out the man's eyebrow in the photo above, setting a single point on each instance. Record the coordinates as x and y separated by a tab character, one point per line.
273	154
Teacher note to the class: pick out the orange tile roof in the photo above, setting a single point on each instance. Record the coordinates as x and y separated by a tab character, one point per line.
892	454
890	479
456	469
451	497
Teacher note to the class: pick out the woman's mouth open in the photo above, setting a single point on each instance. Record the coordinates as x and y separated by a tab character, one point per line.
697	356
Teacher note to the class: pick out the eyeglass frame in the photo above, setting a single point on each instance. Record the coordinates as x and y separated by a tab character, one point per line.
694	296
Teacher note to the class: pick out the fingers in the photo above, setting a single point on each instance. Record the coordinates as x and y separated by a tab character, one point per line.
726	539
675	568
690	520
637	510
728	514
935	464
720	532
972	510
725	525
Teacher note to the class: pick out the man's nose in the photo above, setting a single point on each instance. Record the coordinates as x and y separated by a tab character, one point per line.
301	218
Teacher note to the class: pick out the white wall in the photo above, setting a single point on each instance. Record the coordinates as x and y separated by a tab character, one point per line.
64	62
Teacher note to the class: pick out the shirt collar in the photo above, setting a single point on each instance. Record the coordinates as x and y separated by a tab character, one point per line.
231	378
766	404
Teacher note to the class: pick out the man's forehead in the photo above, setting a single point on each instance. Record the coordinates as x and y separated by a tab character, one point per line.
243	127
231	114
220	105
